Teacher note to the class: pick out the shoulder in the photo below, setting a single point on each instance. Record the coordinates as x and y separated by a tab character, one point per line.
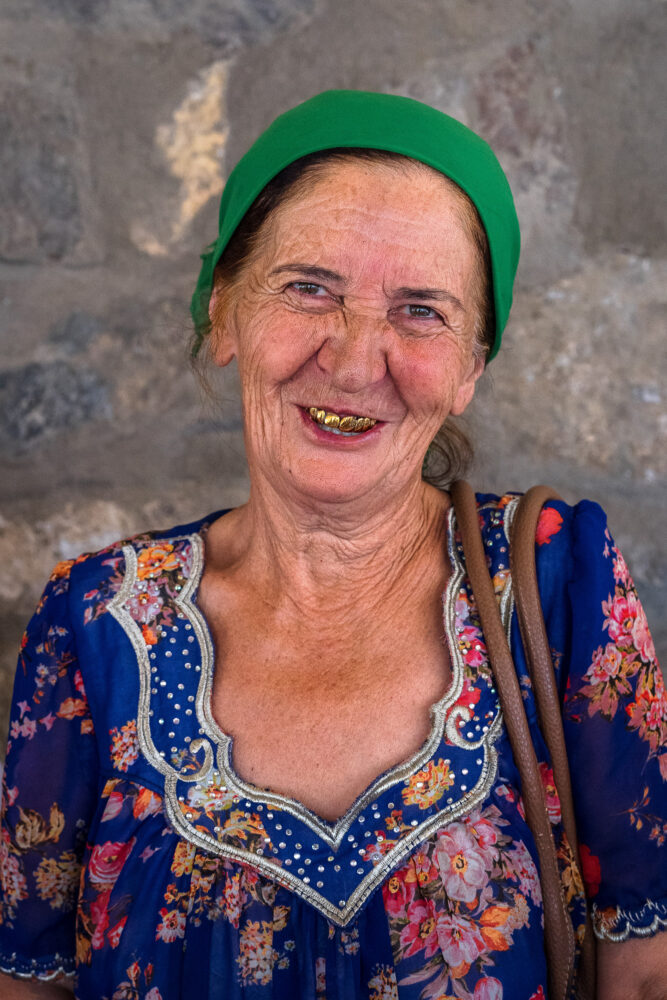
98	609
500	503
94	578
574	551
138	542
80	590
559	522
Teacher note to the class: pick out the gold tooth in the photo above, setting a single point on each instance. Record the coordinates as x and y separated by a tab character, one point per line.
349	424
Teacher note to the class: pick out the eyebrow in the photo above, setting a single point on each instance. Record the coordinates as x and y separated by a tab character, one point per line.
312	270
429	294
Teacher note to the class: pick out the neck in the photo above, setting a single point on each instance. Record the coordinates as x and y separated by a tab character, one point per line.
309	557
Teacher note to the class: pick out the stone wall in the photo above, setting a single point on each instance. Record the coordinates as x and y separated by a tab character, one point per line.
118	125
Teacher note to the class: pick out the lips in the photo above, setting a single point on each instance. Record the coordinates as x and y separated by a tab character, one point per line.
340	423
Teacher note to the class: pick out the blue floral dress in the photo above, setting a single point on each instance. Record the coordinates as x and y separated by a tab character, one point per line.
135	856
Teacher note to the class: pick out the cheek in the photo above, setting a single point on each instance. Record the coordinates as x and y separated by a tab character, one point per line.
276	343
428	376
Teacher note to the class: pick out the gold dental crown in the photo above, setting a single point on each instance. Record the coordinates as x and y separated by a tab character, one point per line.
348	424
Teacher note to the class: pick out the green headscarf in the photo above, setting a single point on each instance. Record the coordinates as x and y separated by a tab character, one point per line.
373	121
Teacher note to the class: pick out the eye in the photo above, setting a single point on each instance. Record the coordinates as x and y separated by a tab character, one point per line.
414	311
308	288
415	319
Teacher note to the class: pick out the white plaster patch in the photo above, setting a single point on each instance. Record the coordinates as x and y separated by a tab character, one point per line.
193	145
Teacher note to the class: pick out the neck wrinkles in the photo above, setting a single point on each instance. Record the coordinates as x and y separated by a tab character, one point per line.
308	556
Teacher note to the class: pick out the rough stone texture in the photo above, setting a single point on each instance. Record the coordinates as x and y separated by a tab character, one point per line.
578	379
39	401
192	145
74	333
229	26
40	214
119	123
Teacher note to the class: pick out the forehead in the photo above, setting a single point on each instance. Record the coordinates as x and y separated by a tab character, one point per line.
405	208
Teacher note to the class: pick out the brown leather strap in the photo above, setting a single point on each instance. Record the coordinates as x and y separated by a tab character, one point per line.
558	932
540	664
536	644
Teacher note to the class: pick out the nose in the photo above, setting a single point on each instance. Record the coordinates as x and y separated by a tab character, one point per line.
354	353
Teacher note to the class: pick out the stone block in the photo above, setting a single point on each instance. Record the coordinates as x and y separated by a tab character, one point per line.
74	333
40	208
516	105
577	377
614	76
189	148
39	400
48	212
227	25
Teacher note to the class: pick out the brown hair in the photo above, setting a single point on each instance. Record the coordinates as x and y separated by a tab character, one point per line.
450	453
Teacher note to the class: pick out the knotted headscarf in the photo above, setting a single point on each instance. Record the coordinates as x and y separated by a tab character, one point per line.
344	118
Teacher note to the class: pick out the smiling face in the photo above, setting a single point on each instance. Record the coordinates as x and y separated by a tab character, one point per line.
360	301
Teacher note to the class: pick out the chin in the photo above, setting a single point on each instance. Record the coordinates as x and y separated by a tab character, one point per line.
334	485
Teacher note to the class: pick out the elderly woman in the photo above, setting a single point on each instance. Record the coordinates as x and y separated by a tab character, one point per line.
262	754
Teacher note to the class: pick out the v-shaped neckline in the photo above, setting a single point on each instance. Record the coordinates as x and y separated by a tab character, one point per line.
211	806
331	830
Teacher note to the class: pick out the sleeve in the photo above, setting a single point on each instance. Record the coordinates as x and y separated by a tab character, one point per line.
48	797
614	716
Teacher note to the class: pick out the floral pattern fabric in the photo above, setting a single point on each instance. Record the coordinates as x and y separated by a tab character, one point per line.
131	858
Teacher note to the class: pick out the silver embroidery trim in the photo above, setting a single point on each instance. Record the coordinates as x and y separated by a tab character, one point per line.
506	605
630	928
43	977
331	835
507	599
344	914
126	621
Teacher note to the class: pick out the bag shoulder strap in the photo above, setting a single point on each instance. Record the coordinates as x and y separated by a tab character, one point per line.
558	931
540	665
536	644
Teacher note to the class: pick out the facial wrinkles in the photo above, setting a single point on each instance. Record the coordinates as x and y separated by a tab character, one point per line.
333	387
377	249
376	252
344	236
373	261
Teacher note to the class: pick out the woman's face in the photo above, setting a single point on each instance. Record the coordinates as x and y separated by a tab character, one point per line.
360	301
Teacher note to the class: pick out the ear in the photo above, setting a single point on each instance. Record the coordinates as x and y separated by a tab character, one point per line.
466	389
223	342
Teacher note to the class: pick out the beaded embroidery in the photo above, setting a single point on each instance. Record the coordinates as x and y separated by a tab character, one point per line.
617	924
333	866
41	969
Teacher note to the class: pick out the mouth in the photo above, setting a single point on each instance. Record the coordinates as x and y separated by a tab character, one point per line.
344	425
